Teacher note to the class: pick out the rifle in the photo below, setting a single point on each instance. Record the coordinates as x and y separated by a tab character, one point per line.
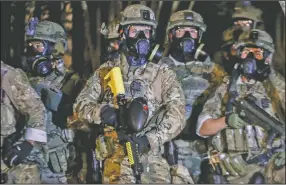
129	118
257	116
253	114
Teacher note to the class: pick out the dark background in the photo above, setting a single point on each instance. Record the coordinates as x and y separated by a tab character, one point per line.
216	14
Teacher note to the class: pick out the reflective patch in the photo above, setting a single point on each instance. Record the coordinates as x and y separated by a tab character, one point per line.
134	89
265	103
188	108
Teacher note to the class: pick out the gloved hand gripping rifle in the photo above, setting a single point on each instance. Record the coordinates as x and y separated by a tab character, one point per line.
255	115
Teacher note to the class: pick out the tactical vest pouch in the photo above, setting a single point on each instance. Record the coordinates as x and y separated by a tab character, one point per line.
229	133
226	163
238	165
233	166
261	137
59	151
53	98
236	140
250	137
59	159
218	142
240	144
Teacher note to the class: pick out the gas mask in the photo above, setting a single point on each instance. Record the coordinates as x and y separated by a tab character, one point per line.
183	48
138	47
38	58
254	64
186	48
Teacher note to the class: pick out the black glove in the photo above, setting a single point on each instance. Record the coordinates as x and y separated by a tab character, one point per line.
108	115
142	143
18	153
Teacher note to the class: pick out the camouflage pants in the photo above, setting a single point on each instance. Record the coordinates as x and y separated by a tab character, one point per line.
23	174
156	170
180	175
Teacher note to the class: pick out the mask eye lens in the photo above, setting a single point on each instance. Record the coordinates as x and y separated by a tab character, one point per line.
256	52
135	31
36	47
180	32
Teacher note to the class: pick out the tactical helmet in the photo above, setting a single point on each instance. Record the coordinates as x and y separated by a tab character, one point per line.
138	14
186	18
247	11
256	37
111	31
46	30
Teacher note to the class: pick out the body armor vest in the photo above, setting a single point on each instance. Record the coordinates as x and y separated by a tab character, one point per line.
250	140
194	78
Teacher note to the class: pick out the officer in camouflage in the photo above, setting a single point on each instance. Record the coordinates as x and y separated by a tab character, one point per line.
23	129
196	73
244	17
155	83
57	86
237	142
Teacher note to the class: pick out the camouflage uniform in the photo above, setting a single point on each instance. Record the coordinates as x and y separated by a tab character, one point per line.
198	79
59	145
19	99
169	97
250	139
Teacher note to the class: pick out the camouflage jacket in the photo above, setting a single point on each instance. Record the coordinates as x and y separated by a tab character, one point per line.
155	82
270	95
198	80
19	98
